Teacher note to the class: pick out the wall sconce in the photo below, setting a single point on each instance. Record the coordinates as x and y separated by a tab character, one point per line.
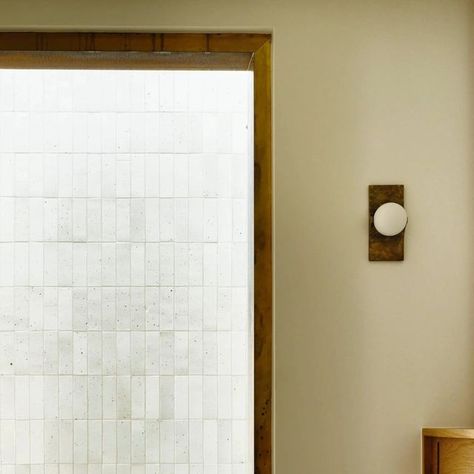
387	222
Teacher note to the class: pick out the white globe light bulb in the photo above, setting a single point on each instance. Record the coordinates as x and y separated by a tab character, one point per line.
390	219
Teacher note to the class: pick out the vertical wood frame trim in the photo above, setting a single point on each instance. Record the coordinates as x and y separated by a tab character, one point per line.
21	50
263	271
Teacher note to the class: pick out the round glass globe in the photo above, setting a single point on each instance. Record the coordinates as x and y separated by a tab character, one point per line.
390	219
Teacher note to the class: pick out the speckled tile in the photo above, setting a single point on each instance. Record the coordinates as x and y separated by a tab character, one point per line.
124	273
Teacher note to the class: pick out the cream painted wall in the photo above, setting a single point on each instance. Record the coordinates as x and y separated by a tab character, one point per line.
366	91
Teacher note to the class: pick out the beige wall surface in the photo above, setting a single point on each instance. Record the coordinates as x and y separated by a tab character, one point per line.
366	91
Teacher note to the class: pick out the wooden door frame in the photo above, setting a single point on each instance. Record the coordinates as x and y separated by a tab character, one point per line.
214	51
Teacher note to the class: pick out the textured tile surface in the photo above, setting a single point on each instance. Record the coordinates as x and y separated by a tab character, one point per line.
124	272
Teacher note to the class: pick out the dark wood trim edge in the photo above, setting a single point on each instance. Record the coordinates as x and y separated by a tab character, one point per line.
263	268
139	42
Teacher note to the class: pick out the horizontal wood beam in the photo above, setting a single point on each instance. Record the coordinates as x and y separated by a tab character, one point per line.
125	60
138	42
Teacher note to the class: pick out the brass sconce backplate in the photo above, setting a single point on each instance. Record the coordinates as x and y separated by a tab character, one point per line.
381	247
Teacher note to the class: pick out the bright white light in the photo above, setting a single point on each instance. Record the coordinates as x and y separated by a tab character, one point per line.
390	219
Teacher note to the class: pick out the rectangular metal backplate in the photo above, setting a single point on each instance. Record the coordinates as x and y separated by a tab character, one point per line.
381	247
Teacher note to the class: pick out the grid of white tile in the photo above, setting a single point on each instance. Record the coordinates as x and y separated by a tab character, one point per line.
124	276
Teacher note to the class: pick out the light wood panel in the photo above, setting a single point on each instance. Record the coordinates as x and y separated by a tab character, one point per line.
448	451
466	433
456	456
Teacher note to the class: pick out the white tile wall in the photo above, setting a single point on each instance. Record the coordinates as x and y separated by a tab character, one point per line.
124	272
